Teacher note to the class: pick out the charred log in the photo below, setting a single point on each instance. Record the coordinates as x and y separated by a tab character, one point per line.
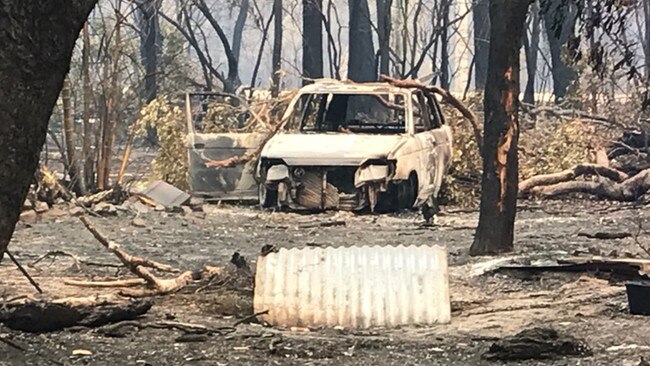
49	316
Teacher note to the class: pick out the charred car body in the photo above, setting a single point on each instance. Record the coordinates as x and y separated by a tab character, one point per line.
355	146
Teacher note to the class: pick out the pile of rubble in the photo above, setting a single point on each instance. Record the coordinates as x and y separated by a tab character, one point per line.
49	200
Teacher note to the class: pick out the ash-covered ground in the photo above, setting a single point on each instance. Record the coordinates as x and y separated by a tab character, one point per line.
590	306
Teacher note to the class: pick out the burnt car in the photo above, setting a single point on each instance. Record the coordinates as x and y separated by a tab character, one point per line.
352	146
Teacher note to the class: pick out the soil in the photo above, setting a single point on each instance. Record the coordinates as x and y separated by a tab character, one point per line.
485	308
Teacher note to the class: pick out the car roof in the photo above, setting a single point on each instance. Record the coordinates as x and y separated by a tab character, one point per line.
347	86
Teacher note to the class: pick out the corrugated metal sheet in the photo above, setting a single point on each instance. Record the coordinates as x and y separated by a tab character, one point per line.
354	287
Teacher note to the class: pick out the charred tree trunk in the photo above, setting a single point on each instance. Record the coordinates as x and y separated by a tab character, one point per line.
238	31
495	231
559	20
646	46
150	45
384	20
531	46
361	54
277	48
231	82
37	39
312	40
444	45
76	180
150	42
481	15
89	161
111	114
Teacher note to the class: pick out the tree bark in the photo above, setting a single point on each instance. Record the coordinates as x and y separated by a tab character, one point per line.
312	40
559	20
74	171
384	17
495	231
481	16
37	39
532	50
361	54
277	48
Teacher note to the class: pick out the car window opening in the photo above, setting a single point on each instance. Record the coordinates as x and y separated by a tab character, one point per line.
351	113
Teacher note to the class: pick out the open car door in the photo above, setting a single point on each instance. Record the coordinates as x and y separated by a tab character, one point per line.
231	183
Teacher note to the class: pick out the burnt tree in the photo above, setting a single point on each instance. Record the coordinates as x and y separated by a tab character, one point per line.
37	39
312	39
646	46
150	44
559	21
531	45
481	17
277	48
495	231
383	34
361	55
444	44
238	31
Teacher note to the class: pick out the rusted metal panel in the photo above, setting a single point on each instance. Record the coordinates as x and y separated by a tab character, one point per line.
354	287
235	183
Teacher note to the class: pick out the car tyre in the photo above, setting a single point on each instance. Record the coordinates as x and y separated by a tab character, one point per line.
268	196
407	192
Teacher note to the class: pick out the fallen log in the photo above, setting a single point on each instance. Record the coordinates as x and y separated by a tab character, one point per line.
48	316
527	185
629	190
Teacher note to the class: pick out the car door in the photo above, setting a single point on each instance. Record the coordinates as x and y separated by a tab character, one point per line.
229	183
434	138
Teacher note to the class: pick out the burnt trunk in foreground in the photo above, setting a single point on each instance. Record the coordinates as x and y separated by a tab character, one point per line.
495	232
37	39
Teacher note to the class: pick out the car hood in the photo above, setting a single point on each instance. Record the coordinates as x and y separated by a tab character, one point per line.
329	149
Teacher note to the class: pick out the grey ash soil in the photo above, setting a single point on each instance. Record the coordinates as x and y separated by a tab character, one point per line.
485	308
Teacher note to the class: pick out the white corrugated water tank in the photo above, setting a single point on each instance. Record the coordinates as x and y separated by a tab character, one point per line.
354	287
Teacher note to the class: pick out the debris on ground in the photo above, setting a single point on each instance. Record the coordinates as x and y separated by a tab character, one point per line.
165	194
624	268
537	343
138	266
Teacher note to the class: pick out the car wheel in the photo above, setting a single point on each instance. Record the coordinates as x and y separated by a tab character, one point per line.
407	192
268	196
